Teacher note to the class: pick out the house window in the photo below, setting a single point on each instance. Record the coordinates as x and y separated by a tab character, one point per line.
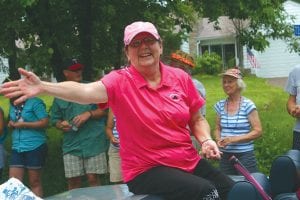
229	55
203	48
216	49
225	51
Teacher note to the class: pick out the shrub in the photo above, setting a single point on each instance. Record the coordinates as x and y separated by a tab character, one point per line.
208	63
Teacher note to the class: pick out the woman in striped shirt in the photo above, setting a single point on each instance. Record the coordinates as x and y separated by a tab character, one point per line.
237	124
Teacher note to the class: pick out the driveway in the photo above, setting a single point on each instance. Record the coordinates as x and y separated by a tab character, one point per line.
279	82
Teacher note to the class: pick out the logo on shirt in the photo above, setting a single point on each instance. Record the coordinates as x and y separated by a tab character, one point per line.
174	97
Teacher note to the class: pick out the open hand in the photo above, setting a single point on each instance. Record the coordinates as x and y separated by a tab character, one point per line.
24	88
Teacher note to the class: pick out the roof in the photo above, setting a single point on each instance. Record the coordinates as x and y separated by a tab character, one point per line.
208	31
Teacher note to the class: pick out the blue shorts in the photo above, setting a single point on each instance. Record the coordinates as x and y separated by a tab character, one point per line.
34	159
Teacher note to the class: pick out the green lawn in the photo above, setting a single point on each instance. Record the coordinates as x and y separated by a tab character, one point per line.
270	101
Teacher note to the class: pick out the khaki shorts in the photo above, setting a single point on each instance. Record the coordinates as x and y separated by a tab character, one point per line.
114	163
77	166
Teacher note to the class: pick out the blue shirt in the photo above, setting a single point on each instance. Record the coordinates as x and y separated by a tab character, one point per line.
4	134
27	139
237	124
293	88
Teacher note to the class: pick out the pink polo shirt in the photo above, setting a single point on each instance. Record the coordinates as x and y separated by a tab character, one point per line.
153	123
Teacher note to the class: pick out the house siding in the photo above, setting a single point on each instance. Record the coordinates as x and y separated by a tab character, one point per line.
4	69
276	60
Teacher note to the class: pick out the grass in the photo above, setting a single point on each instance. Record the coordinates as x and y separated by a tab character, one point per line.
270	102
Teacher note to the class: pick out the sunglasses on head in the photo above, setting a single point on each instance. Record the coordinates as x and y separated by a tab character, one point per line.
138	42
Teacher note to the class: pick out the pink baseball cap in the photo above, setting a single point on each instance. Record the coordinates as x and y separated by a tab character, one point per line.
138	27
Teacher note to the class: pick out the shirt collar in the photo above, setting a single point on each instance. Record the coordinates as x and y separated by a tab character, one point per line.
141	82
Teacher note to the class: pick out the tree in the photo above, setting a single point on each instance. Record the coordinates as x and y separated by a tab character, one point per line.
255	21
90	30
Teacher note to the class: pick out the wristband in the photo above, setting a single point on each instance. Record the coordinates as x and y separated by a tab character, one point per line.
201	143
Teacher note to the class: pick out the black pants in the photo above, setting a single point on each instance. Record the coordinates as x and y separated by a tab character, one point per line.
205	183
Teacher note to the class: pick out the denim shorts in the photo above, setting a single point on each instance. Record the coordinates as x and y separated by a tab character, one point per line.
34	159
2	156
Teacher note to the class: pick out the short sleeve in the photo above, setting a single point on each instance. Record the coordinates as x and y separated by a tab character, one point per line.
39	108
195	100
219	106
249	107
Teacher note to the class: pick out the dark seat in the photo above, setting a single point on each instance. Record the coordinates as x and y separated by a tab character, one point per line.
284	173
263	180
286	196
244	190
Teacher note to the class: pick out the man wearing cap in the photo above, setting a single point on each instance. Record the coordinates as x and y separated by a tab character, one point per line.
84	141
237	124
293	102
156	106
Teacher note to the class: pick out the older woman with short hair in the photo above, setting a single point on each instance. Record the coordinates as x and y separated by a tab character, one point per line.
237	124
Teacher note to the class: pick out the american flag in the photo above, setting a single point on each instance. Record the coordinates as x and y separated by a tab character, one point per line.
251	58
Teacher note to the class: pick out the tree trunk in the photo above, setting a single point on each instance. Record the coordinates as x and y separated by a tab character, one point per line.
85	34
240	55
12	58
56	63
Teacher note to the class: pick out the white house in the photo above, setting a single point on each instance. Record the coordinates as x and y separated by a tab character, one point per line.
4	69
275	61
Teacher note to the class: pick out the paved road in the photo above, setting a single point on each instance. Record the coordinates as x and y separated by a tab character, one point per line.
279	82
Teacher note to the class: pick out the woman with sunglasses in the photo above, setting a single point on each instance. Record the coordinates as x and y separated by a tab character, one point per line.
156	107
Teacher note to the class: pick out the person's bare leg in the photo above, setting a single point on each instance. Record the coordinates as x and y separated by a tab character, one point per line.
74	182
93	179
35	182
16	172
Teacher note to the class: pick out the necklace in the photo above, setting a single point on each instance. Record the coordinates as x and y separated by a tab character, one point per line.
18	111
238	114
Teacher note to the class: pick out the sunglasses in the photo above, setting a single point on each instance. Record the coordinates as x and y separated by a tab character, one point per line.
138	42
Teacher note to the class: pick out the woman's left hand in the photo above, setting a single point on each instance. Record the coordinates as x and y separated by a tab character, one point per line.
225	141
210	150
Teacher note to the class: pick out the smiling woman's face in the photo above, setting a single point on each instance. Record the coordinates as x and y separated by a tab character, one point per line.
144	50
230	85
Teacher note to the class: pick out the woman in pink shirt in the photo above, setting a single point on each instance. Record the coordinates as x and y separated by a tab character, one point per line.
156	106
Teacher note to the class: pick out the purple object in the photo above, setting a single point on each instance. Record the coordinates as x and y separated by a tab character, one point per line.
238	166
